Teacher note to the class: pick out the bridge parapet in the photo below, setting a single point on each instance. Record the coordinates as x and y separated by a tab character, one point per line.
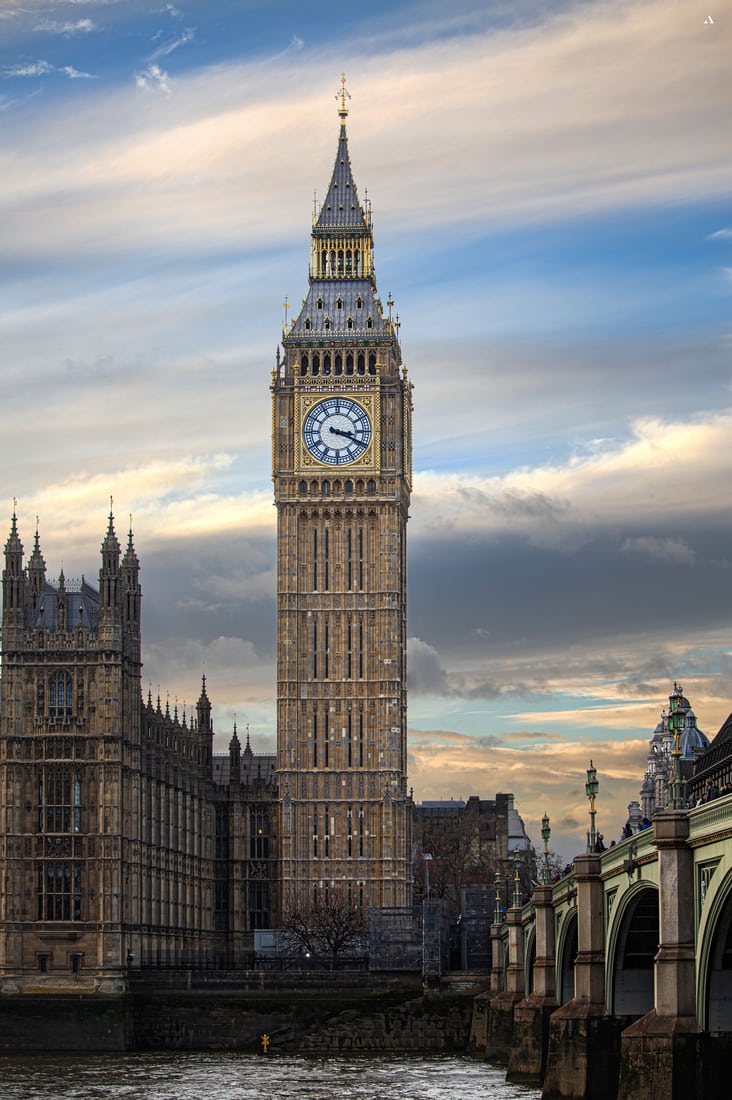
709	819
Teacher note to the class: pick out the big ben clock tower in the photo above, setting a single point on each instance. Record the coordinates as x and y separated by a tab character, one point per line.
341	445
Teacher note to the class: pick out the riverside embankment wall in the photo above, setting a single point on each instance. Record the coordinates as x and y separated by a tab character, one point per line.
296	1012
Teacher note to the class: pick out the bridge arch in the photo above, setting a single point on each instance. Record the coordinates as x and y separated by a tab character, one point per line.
567	948
714	988
631	951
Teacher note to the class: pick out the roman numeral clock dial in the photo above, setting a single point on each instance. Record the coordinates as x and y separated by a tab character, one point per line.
337	431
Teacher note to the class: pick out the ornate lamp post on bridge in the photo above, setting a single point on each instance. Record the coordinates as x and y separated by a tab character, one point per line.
678	784
516	880
545	834
591	788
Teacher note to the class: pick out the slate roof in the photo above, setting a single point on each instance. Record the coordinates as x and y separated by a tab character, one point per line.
253	768
349	291
85	599
341	208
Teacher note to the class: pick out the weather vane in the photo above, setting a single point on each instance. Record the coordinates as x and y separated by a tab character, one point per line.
343	95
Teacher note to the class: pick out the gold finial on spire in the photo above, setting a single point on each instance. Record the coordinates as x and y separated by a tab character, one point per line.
343	95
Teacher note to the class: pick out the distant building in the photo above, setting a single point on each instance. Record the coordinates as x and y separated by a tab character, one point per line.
467	843
655	792
713	768
463	853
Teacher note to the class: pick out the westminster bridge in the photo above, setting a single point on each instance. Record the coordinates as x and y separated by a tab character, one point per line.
616	980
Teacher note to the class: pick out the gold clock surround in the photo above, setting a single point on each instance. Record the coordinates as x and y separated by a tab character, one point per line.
361	393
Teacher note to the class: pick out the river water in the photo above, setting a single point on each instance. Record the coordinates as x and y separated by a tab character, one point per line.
225	1076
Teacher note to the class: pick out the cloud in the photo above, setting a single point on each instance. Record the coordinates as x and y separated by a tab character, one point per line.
665	550
154	78
43	68
67	29
425	670
628	126
167	48
665	468
720	234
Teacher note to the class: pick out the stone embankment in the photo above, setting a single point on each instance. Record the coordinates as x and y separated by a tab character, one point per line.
311	1016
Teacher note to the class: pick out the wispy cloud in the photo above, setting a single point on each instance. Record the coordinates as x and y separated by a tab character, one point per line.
68	29
44	68
167	48
665	550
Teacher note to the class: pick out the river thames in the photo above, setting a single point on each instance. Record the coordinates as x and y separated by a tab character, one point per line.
225	1076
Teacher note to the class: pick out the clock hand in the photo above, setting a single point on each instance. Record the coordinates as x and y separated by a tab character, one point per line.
339	431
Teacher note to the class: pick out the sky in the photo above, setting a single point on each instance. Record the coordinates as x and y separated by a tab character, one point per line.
550	185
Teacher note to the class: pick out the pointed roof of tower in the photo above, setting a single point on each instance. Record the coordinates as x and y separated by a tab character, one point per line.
342	301
110	539
341	208
130	560
14	545
35	561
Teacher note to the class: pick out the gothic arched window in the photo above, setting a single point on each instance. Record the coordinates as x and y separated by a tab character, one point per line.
60	696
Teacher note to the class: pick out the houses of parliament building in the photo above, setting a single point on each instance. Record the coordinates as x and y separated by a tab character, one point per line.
125	839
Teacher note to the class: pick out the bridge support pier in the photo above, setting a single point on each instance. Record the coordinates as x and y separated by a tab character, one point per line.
661	1052
527	1061
480	1027
501	1015
584	1041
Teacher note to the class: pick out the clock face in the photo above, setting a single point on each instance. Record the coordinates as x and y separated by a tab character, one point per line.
337	431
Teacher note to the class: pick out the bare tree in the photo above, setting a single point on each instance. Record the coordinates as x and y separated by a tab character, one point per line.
328	926
458	858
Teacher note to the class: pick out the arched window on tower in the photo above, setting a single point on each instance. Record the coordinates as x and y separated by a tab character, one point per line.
60	695
361	368
303	365
349	363
372	363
